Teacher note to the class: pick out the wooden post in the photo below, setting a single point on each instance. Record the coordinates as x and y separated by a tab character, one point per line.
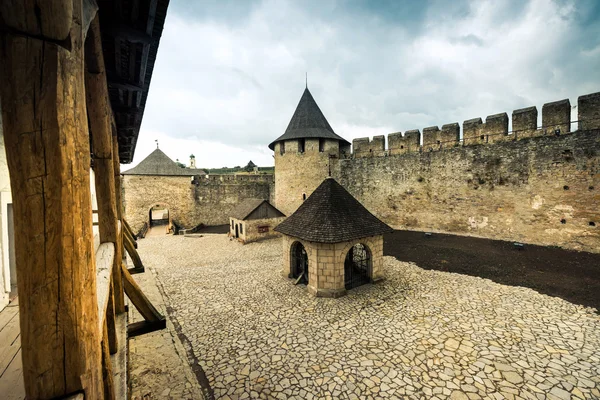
107	372
48	153
117	172
100	116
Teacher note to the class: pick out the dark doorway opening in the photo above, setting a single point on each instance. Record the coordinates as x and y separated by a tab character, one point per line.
357	266
237	233
299	263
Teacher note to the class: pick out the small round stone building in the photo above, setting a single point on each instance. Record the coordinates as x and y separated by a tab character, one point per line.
332	242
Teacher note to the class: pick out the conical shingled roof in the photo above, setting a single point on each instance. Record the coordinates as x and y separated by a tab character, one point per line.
158	163
332	215
308	122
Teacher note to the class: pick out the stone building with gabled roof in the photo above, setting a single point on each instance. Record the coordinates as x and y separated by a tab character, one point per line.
156	187
332	242
254	219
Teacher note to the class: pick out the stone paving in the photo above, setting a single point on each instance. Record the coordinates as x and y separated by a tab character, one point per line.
159	367
419	334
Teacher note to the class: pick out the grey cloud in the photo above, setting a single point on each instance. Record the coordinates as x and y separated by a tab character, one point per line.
233	72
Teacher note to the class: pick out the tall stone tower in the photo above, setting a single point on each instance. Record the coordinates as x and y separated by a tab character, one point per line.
303	154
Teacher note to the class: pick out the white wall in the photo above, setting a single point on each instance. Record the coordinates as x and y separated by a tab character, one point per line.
5	199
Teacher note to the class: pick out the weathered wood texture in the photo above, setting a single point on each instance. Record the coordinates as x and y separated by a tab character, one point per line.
138	298
117	172
107	372
100	120
119	360
104	261
130	248
48	19
47	146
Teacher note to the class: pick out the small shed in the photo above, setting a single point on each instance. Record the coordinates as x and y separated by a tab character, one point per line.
254	219
332	242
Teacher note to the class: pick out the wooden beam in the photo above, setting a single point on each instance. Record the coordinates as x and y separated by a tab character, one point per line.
113	341
48	154
143	327
49	20
127	109
135	257
109	384
130	34
122	84
100	122
146	48
117	172
139	299
127	234
128	229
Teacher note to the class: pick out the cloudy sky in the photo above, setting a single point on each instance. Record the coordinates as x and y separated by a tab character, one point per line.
229	74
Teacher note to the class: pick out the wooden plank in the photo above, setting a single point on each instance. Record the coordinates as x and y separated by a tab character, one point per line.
143	327
47	145
128	228
8	313
10	342
104	261
117	170
119	359
127	234
11	381
138	298
107	372
100	122
135	257
111	324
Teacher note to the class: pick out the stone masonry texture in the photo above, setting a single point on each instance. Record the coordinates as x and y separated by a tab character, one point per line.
190	202
418	334
542	190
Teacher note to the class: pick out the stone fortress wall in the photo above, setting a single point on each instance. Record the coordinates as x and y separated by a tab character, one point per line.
538	185
191	200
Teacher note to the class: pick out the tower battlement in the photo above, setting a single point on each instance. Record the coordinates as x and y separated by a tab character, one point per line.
556	121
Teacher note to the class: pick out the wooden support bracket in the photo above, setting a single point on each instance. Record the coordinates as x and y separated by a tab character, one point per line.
143	327
128	228
153	319
135	257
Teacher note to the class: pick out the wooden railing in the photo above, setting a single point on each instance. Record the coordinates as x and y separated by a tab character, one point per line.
114	327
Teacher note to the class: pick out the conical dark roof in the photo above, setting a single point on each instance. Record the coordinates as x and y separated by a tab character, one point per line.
158	163
308	122
332	215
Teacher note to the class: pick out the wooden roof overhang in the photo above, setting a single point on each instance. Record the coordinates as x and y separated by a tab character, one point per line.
131	31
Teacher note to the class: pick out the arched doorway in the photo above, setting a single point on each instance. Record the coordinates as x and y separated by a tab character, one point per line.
357	266
159	218
298	263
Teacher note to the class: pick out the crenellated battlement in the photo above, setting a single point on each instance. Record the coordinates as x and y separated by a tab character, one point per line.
556	121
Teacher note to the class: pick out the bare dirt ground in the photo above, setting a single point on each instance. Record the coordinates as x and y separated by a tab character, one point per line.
570	275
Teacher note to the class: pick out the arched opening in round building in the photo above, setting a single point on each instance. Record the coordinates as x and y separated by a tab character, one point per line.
298	263
159	219
357	266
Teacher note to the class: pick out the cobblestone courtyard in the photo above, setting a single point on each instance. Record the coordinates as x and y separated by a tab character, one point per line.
418	334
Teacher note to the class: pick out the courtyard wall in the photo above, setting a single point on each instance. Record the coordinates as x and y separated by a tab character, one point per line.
533	185
191	200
